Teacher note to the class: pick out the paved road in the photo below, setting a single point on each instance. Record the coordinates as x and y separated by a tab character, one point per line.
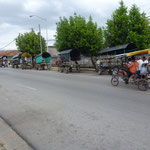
55	111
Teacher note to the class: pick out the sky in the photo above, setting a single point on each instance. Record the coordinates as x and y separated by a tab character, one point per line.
15	15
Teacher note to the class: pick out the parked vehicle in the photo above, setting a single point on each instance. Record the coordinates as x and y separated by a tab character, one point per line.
108	57
42	61
69	61
26	61
15	62
142	80
3	61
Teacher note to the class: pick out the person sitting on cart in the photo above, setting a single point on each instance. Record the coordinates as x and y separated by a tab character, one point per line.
144	70
125	67
132	67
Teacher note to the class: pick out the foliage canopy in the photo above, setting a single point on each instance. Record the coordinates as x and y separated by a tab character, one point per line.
127	27
30	43
80	34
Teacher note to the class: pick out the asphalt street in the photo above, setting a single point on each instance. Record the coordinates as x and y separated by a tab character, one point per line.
56	111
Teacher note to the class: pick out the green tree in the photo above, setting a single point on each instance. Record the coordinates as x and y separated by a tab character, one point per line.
139	30
116	31
80	34
30	43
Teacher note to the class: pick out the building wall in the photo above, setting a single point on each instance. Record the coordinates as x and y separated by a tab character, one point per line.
53	51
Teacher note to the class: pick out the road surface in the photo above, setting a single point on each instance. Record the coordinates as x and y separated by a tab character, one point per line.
56	111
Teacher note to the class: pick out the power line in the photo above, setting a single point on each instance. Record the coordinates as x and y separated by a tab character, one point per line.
8	44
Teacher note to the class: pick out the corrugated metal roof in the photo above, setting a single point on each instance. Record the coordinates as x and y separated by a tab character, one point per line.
66	51
116	48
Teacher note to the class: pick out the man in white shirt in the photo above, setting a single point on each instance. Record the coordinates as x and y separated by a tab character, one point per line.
145	61
144	66
140	62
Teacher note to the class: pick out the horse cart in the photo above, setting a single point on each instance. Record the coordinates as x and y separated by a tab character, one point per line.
43	61
26	61
142	80
68	61
3	61
15	62
110	57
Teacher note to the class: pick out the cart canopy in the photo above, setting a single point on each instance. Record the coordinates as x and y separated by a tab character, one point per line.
26	55
71	54
16	56
130	47
1	57
140	52
46	56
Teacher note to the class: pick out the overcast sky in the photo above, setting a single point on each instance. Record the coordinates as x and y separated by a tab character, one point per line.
14	15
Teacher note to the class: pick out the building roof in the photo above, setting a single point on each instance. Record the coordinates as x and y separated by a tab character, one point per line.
128	46
9	53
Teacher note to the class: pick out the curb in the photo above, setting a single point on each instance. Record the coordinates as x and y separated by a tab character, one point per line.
10	140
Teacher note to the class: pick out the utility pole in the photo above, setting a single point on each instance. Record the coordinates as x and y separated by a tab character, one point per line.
44	19
40	39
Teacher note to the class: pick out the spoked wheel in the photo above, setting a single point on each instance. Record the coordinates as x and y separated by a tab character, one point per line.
115	81
143	85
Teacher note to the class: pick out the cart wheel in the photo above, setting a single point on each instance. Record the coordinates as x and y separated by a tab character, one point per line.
100	71
143	85
115	81
61	70
36	67
66	70
70	69
22	67
78	69
110	72
126	80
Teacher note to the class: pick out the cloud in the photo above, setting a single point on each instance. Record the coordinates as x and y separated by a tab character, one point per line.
14	14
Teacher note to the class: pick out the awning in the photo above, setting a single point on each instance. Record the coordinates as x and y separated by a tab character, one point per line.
140	52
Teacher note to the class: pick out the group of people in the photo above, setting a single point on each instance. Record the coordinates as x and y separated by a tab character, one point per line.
137	65
4	63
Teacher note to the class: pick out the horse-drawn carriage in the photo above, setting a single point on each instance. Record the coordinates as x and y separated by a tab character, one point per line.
142	80
15	62
42	61
110	57
3	61
68	61
26	61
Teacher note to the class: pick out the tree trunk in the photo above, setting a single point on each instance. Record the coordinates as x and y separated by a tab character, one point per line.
94	64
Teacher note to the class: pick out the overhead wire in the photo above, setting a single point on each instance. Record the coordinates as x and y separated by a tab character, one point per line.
7	44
